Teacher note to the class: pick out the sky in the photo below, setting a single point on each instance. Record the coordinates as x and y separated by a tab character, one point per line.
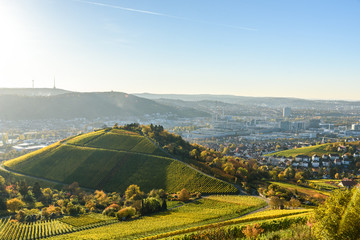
278	48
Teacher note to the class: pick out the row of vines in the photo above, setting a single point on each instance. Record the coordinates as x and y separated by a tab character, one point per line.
12	230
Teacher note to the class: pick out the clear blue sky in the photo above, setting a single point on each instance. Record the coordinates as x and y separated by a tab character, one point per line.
292	48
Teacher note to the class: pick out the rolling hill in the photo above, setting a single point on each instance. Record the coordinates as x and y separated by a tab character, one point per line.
85	105
113	159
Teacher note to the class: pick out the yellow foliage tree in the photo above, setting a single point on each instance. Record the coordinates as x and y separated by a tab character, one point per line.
14	204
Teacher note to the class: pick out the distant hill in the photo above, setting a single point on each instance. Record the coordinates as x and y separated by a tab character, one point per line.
87	105
113	159
244	100
32	91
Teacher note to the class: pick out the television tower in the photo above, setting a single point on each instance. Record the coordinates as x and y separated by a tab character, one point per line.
33	83
54	83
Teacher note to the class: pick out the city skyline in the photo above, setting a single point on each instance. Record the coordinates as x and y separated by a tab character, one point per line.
300	49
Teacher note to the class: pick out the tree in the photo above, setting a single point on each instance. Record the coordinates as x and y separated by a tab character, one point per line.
184	195
150	205
14	204
133	193
294	203
101	198
74	188
126	213
23	188
252	231
338	218
275	202
37	191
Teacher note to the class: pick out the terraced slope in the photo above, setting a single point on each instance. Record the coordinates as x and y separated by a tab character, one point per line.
113	159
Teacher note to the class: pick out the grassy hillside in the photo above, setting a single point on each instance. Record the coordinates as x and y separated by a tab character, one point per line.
309	151
113	159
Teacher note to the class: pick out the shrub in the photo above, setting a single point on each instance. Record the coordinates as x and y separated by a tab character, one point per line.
252	231
111	210
150	205
184	195
126	213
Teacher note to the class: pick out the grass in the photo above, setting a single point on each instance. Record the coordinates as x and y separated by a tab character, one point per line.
241	200
113	159
194	214
171	204
243	221
325	184
83	220
309	151
304	190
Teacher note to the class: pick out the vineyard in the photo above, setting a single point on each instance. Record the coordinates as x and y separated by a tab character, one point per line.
242	200
12	230
204	211
113	159
269	215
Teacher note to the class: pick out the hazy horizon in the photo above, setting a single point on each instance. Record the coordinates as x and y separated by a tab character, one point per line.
298	49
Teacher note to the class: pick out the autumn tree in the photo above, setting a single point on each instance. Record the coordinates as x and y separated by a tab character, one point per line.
294	203
275	202
133	193
252	231
184	195
14	204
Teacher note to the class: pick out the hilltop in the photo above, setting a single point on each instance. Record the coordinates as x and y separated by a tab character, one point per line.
32	91
70	105
112	159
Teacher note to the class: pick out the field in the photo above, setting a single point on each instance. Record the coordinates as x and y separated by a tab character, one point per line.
324	184
85	220
243	200
272	219
204	211
309	151
14	230
113	159
307	191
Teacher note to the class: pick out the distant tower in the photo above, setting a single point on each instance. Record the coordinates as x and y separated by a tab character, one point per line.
286	112
33	84
54	83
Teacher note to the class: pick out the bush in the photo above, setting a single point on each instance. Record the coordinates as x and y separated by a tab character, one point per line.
74	210
126	213
111	210
150	205
184	195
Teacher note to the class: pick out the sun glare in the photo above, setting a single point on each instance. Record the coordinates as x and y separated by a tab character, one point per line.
13	42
